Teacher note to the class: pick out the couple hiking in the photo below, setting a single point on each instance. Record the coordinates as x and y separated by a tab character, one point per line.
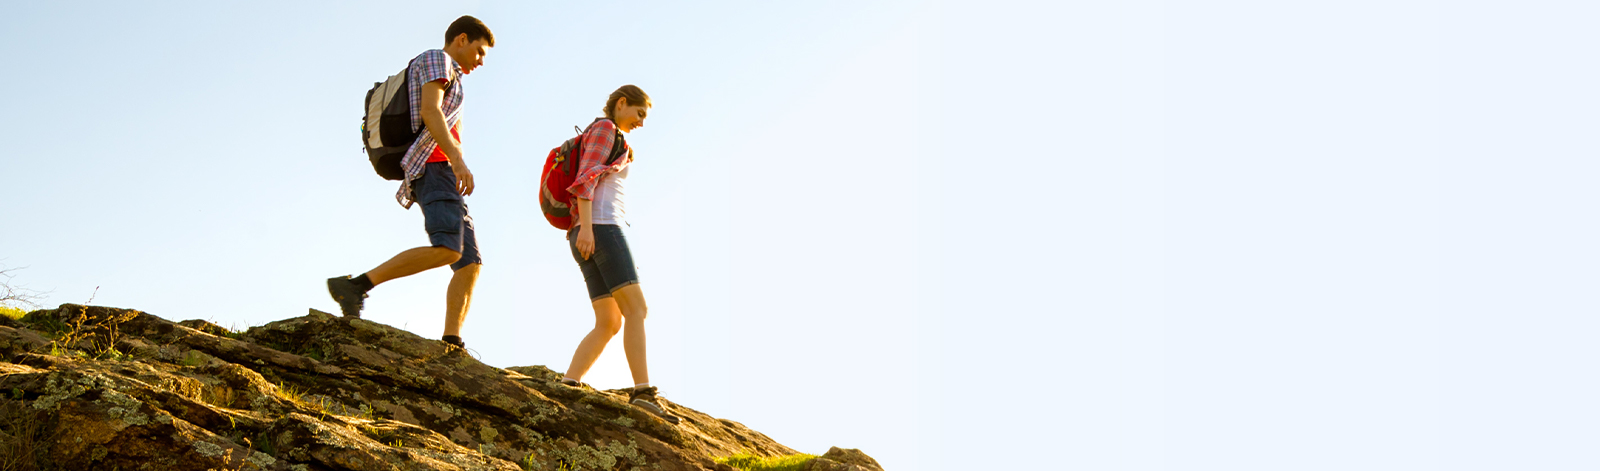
435	175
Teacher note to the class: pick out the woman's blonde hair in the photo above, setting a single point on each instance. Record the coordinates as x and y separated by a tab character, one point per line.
635	97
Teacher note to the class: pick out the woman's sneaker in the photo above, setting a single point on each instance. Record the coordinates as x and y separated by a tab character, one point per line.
576	384
646	398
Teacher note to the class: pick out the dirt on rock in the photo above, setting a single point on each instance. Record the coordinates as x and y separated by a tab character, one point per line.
90	387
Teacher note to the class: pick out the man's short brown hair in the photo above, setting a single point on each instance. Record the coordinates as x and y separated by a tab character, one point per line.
473	28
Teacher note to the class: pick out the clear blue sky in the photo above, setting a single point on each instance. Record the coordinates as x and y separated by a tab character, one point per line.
957	235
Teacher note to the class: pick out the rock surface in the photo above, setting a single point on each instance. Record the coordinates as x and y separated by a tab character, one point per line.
102	388
843	459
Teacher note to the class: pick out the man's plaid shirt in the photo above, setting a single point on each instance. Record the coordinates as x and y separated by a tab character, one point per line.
430	66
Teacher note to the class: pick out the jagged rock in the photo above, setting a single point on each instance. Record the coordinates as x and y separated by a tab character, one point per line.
15	340
205	326
89	387
843	459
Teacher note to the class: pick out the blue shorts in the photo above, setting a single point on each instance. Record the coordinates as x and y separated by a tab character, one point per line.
610	267
444	213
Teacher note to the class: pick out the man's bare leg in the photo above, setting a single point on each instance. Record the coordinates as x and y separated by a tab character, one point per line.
458	298
412	262
349	292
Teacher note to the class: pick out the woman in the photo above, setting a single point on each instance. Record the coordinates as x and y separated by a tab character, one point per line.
601	250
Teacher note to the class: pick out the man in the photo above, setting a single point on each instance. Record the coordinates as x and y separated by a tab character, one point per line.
437	178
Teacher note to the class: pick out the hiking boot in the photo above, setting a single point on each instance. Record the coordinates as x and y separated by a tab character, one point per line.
452	351
454	340
347	295
576	384
646	398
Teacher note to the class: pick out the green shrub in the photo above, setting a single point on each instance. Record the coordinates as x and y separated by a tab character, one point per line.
749	462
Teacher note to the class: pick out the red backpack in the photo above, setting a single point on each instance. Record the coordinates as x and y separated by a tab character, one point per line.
560	168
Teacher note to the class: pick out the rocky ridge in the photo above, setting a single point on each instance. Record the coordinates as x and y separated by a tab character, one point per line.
90	387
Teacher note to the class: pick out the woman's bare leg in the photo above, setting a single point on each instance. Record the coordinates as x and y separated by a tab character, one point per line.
607	321
631	302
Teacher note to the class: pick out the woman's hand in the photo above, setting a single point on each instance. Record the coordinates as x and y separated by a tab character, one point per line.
585	241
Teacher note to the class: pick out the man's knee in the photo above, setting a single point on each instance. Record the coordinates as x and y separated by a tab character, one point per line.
446	255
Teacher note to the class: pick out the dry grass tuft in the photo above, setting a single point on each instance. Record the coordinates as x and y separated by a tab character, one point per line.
22	436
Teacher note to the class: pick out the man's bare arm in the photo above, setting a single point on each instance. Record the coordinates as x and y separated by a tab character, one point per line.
433	118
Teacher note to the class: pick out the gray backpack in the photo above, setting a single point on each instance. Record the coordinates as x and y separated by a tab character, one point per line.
386	129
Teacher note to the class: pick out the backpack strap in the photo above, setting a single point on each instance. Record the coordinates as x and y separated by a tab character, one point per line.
619	145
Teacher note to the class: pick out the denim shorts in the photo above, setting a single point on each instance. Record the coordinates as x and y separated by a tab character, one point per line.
444	213
610	267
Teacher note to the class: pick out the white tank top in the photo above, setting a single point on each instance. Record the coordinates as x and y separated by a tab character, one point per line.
607	201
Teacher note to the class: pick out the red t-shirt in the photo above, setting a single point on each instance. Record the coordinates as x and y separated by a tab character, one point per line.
438	152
